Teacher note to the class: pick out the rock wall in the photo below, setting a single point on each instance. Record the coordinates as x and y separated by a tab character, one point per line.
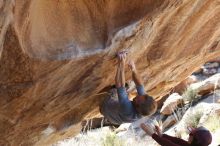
58	57
69	29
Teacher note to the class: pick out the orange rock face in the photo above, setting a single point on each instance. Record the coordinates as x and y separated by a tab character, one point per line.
58	57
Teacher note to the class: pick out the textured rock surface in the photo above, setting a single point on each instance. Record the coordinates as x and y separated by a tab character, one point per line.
208	85
171	104
57	57
182	86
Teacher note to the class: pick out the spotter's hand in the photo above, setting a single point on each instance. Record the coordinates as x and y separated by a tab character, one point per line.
148	129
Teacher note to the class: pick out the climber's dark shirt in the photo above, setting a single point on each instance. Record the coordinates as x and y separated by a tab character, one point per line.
167	140
121	110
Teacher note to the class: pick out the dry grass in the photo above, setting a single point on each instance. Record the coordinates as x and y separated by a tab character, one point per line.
213	123
111	139
190	95
217	137
193	118
106	137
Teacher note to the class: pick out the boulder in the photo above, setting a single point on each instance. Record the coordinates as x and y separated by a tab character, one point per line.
208	85
58	57
198	71
209	72
211	65
217	111
170	121
217	59
135	126
181	87
218	70
171	104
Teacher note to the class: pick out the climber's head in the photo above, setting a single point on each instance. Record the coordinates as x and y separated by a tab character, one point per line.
199	136
145	105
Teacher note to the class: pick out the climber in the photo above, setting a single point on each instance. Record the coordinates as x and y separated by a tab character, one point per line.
197	136
122	110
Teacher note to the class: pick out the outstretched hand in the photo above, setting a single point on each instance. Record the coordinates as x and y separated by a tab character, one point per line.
148	129
158	131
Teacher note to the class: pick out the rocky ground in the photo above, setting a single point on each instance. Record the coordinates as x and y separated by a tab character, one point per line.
197	105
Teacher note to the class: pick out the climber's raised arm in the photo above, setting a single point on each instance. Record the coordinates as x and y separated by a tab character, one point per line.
135	76
137	79
120	73
125	103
